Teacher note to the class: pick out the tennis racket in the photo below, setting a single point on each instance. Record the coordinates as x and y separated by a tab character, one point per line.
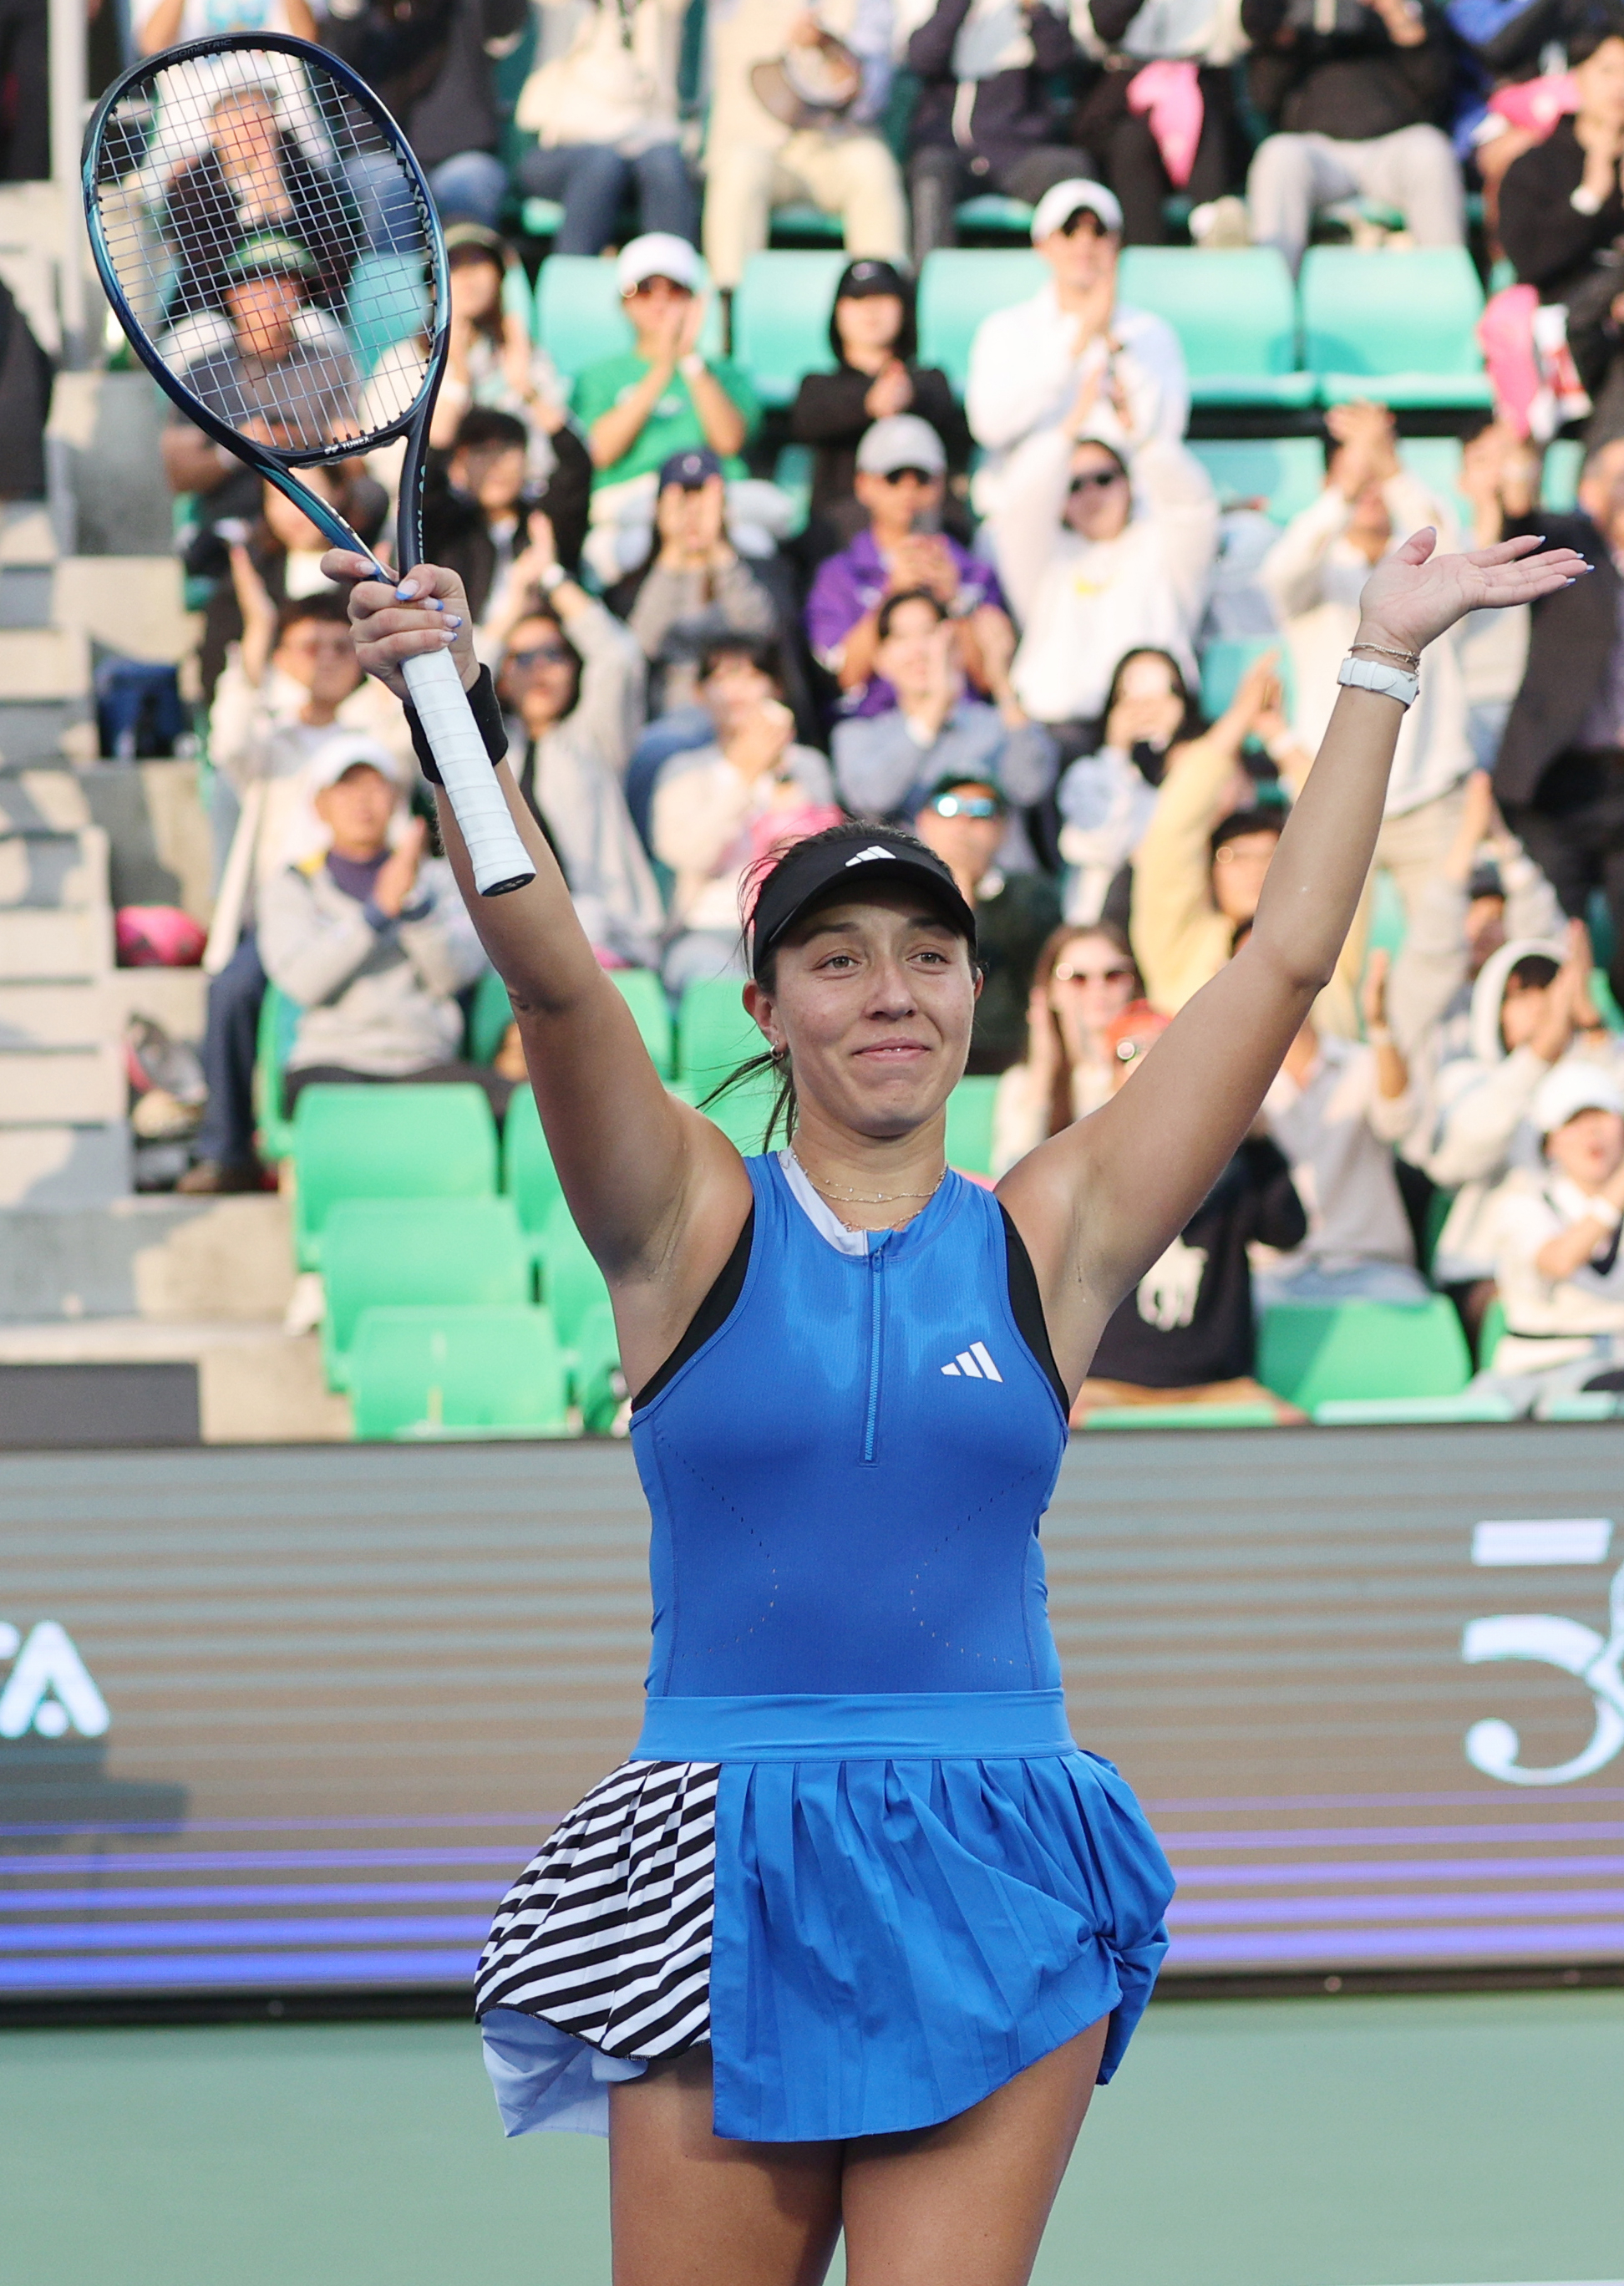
269	246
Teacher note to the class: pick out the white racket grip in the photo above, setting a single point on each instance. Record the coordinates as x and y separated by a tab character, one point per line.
498	858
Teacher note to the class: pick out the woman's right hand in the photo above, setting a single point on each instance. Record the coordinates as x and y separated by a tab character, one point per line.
890	392
1415	594
426	611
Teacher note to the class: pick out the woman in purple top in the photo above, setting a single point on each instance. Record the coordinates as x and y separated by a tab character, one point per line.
901	470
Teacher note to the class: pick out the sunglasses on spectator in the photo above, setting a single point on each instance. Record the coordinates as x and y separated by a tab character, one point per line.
1088	480
968	805
543	655
919	475
1067	975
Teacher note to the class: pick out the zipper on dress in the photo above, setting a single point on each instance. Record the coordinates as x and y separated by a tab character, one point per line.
870	1427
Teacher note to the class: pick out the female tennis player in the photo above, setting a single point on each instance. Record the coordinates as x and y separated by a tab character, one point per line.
850	1941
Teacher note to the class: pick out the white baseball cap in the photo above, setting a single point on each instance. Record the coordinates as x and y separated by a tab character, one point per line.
1575	1086
350	750
1066	199
901	441
656	253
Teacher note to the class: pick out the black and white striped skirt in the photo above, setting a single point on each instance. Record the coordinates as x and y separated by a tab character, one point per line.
606	1933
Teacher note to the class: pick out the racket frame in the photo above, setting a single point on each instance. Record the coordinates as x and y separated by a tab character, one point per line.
271	463
494	848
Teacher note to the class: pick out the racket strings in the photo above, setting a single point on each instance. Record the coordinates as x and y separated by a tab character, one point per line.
272	246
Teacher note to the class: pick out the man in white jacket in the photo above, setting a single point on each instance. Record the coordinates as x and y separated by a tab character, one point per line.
1028	362
1315	576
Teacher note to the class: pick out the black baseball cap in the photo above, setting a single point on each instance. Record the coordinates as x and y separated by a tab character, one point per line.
820	871
859	279
690	470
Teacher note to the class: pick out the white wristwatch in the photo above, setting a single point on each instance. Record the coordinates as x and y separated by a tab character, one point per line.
1389	681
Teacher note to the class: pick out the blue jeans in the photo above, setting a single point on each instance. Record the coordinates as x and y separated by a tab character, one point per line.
230	1039
470	187
591	182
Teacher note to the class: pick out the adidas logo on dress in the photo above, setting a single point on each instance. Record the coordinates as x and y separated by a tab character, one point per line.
974	1362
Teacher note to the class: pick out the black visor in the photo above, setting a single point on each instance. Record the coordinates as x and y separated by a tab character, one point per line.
814	872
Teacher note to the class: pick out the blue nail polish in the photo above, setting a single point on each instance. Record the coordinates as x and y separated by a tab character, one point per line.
453	620
405	592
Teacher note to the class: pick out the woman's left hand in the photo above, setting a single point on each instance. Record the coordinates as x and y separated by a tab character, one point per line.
1416	593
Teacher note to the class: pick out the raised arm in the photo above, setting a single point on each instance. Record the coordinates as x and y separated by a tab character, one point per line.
658	1193
1097	1204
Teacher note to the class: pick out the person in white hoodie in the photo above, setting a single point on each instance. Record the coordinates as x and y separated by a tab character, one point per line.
1555	1228
1028	362
1314	575
1530	1011
1103	548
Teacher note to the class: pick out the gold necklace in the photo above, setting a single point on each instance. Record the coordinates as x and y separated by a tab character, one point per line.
863	1198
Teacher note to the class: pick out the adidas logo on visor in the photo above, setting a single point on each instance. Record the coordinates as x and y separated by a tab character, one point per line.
864	856
975	1363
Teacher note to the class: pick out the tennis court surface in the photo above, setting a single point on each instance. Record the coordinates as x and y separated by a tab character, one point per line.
1355	2141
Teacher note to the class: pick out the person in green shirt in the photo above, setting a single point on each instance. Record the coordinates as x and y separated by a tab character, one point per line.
662	397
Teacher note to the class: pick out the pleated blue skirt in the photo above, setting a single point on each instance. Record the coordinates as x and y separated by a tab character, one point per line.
915	1896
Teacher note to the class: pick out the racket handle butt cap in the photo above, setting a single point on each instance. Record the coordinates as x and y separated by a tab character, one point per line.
499	859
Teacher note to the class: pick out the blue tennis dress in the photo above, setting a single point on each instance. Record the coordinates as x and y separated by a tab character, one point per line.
855	1850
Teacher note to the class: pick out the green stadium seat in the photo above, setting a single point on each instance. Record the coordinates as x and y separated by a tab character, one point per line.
802	224
529	1177
1234	315
1395	326
792	475
742	1114
572	1283
279	1020
1396	1412
488	1019
781	319
1253	1415
386	1143
715	1034
579	313
1309	1353
1559	479
1488	1333
645	996
958	286
1224	663
993	216
387	303
1286	473
541	218
596	1379
424	1372
380	1253
1388	923
517	298
969	1124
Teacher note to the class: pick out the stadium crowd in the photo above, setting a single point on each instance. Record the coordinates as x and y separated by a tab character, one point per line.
989	620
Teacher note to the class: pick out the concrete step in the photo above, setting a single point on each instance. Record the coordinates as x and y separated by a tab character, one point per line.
61	1166
40	665
52	1015
165	1260
78	1087
254	1387
132	604
55	947
54	870
42	801
25	594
